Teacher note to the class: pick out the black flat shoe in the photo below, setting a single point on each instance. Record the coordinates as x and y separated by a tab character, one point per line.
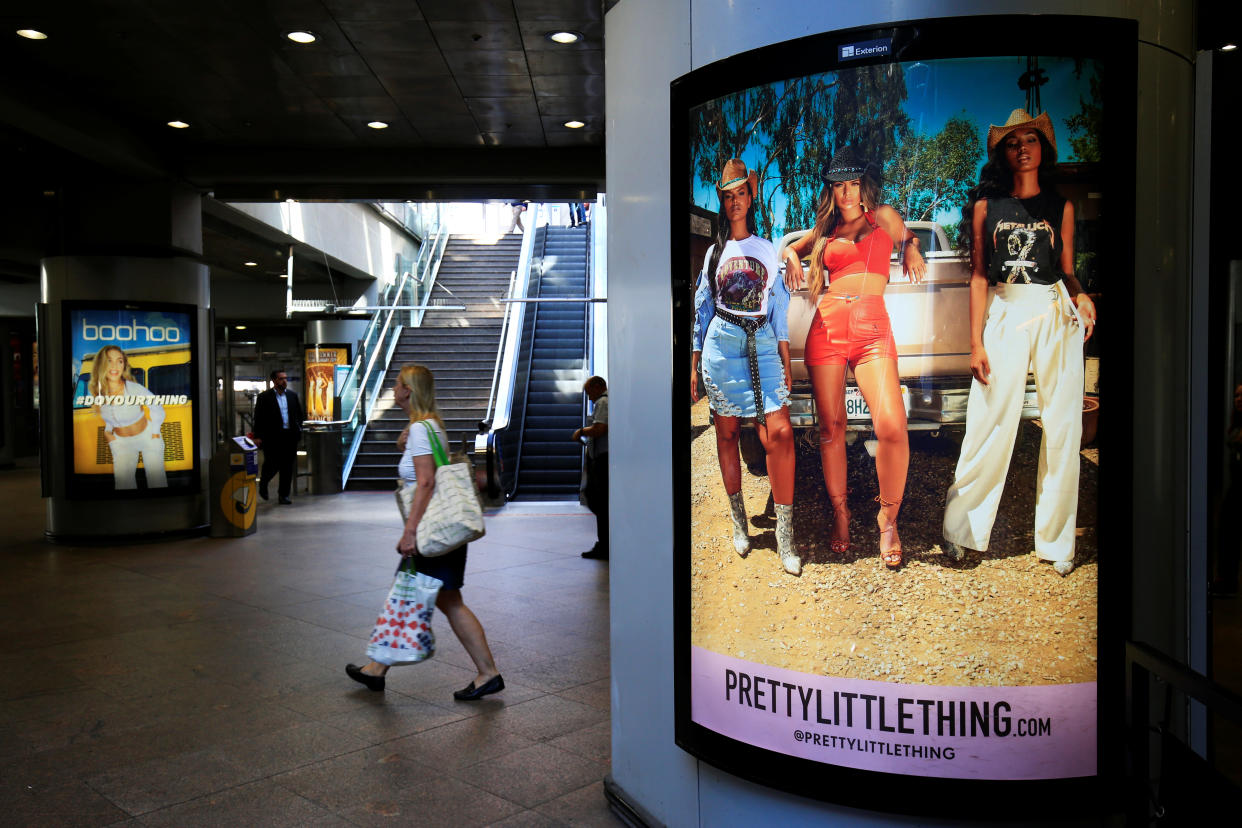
472	693
371	682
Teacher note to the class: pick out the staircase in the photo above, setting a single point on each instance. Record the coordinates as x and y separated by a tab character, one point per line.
551	464
458	346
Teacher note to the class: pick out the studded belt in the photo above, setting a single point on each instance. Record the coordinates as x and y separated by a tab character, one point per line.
750	324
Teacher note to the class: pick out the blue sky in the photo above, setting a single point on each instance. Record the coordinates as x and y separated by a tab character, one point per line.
984	89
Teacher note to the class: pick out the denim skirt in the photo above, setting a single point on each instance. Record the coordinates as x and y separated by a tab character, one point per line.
726	370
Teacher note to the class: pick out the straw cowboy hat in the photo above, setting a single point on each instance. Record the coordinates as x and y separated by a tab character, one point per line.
1021	119
734	174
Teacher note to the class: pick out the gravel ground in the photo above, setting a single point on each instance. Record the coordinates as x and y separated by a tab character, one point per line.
997	618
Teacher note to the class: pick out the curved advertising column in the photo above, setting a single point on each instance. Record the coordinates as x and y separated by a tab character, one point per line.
125	390
960	640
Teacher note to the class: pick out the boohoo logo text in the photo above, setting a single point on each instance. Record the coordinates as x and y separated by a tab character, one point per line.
131	332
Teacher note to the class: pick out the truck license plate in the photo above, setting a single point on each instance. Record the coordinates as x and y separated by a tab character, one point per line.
856	407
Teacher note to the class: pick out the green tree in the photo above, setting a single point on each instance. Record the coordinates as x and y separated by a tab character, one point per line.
1086	124
795	127
931	173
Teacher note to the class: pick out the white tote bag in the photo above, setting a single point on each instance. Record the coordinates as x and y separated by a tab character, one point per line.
454	516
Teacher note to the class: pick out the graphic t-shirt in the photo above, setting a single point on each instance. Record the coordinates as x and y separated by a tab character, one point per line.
744	275
1022	237
747	283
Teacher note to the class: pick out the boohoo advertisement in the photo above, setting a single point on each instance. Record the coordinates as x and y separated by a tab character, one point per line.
133	397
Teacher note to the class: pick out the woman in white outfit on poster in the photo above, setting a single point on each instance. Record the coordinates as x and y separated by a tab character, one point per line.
131	428
1021	241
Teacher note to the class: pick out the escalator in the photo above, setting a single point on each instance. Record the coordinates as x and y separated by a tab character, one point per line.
550	464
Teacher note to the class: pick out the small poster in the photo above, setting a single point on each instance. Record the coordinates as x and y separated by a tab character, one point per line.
320	379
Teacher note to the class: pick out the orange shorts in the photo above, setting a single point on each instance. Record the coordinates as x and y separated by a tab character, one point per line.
850	329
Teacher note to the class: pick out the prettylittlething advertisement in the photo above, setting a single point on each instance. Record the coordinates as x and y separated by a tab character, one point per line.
896	570
133	399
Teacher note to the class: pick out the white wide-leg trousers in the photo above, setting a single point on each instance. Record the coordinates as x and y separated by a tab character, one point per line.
125	453
1028	328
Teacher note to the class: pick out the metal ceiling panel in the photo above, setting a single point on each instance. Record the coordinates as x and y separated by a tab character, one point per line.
494	62
454	35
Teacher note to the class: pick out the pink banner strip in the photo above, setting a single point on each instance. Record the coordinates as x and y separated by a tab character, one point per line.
1042	732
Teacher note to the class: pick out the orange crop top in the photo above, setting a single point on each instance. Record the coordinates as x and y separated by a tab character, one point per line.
843	257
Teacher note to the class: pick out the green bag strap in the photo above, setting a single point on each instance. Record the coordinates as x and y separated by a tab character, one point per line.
437	450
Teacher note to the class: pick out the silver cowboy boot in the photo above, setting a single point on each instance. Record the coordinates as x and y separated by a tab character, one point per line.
741	542
785	541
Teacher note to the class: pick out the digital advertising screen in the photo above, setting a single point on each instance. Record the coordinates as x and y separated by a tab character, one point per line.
321	363
132	430
890	543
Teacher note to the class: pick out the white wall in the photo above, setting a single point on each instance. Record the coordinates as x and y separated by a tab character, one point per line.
352	233
650	43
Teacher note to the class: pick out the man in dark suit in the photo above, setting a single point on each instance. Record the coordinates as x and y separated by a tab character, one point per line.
278	416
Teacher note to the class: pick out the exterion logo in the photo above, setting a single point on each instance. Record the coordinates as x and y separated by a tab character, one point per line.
131	332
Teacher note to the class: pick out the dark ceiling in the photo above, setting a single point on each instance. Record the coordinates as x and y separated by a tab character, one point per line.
474	95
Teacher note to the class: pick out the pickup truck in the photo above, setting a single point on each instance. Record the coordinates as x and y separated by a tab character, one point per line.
931	323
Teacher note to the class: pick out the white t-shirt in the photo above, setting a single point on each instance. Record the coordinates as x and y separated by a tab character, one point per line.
599	445
417	445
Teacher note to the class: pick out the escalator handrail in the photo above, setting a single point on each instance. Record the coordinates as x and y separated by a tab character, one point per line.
534	332
515	316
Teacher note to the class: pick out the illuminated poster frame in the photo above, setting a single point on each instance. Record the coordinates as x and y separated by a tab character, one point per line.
159	341
319	369
876	738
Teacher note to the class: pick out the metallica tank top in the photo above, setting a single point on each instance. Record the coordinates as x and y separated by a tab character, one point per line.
1022	239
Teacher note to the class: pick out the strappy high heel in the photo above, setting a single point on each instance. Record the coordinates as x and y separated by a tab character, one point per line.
890	541
840	523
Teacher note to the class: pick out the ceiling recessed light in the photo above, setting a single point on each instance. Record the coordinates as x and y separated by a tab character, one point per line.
564	37
178	124
1229	47
377	125
32	34
301	37
239	327
575	124
251	264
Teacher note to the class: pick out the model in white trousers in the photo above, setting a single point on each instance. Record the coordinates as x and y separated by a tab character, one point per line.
1035	328
125	451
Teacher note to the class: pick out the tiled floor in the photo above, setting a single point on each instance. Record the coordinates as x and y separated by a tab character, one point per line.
200	682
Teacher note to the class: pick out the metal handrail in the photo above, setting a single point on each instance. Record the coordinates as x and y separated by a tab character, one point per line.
507	381
385	344
534	329
500	351
1144	661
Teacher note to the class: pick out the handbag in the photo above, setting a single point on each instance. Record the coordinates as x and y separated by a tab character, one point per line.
402	633
454	515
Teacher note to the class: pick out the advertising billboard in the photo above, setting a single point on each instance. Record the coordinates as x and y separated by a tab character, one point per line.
134	391
321	362
893	564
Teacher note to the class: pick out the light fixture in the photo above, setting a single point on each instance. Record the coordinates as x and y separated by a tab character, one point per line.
178	124
575	124
32	34
564	38
239	327
301	37
1229	47
251	264
377	125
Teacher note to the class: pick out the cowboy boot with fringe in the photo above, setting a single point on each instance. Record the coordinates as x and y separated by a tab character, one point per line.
785	541
741	541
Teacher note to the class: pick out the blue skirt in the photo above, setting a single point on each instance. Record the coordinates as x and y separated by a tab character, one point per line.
726	372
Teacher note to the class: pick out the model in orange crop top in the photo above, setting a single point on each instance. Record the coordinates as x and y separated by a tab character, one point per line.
850	245
843	257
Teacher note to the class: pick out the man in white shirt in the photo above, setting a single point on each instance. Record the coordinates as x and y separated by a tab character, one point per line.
597	464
